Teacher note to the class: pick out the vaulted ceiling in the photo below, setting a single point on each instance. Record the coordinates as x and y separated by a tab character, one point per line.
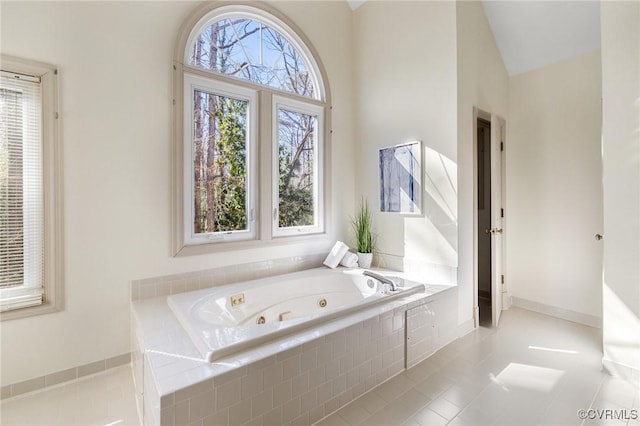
531	34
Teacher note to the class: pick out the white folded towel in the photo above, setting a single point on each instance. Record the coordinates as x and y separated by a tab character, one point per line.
350	260
336	254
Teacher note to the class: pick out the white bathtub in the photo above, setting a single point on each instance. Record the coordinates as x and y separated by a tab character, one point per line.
227	319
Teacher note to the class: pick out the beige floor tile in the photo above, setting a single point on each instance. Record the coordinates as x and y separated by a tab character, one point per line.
434	385
446	409
333	420
618	392
354	414
106	398
370	402
428	417
394	387
411	422
414	400
392	414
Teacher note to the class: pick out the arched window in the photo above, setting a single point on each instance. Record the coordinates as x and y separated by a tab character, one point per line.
251	48
251	107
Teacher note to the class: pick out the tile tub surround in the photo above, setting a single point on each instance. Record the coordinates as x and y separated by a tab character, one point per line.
294	380
180	283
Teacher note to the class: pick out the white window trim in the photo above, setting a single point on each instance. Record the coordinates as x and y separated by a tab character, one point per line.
191	83
52	189
264	207
254	13
280	102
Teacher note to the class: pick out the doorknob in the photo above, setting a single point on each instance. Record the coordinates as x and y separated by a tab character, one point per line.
599	237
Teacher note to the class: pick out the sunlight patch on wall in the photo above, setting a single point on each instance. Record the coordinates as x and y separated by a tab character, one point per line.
620	329
441	185
431	240
435	239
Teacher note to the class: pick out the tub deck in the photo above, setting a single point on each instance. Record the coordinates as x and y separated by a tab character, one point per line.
219	339
169	368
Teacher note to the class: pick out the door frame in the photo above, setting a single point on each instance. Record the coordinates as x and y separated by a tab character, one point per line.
492	118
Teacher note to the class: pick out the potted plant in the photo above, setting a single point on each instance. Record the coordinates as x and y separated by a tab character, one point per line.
365	240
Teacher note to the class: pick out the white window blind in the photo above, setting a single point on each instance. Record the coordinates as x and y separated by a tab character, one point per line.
21	192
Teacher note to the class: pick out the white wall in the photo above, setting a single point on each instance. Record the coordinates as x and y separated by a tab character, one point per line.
620	24
422	83
115	67
554	188
482	83
405	68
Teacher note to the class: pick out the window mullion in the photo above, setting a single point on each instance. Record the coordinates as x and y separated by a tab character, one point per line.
265	168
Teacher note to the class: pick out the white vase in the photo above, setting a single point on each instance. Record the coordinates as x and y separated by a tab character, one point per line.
364	260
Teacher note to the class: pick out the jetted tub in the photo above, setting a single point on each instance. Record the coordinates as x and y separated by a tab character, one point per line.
227	319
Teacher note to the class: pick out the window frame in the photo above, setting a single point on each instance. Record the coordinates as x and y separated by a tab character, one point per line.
293	105
51	187
191	83
275	21
265	203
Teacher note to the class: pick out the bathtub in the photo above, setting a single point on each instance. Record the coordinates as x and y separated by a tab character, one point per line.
227	319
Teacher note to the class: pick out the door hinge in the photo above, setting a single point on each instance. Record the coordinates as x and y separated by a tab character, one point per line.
501	146
501	212
502	279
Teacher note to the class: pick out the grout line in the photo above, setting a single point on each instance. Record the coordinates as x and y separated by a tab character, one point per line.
595	395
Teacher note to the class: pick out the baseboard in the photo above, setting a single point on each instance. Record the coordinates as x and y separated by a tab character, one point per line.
466	327
623	371
64	376
554	311
506	301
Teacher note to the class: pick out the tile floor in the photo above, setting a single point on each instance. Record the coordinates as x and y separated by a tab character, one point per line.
106	398
533	369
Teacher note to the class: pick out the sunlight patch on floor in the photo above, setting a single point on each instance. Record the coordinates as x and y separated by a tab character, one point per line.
564	351
529	377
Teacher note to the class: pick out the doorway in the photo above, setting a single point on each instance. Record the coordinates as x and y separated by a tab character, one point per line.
488	145
483	179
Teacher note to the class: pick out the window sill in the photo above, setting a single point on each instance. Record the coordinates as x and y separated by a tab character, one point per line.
43	309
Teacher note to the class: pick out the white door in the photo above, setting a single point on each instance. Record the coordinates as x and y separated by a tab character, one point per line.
497	144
